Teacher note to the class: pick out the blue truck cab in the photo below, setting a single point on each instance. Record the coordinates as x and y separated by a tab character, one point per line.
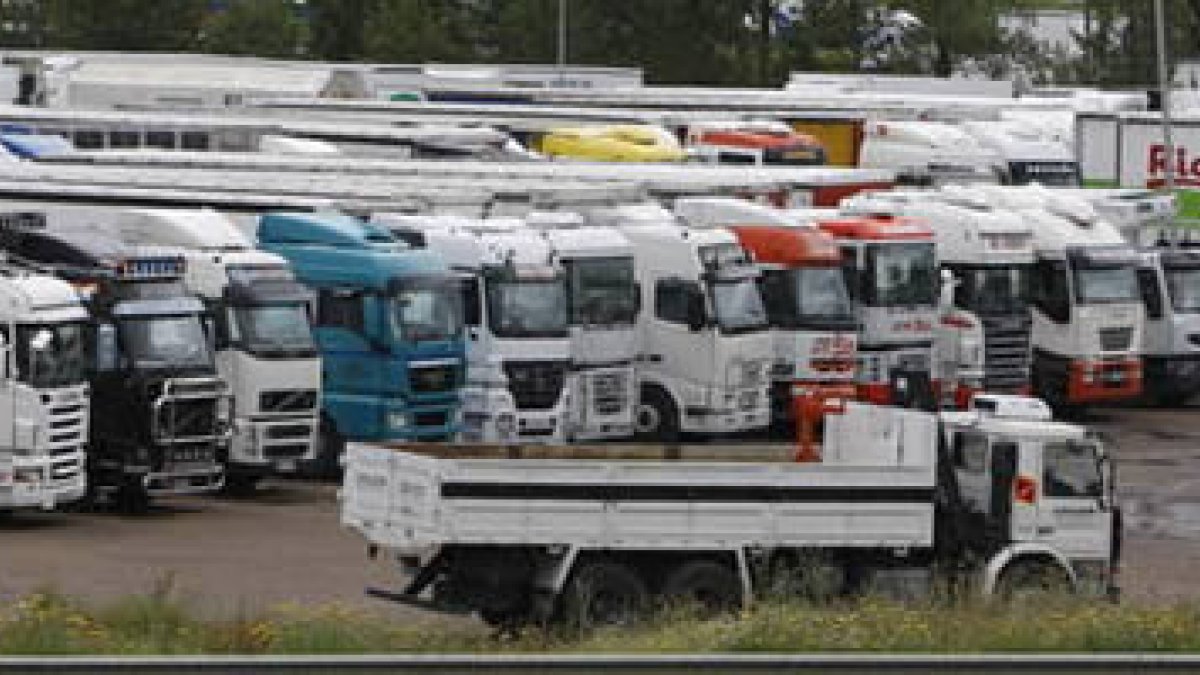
388	322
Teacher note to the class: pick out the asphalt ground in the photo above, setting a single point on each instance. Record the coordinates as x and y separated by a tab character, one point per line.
285	544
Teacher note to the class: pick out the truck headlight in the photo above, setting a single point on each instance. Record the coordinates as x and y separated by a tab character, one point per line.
506	424
397	420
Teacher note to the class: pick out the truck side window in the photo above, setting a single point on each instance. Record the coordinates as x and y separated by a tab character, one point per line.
340	309
1071	470
671	300
470	302
1051	293
1151	292
850	273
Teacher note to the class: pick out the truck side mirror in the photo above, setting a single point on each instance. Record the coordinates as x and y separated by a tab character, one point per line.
106	347
697	314
949	284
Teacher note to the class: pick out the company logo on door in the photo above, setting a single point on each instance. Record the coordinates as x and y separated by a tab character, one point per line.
1187	167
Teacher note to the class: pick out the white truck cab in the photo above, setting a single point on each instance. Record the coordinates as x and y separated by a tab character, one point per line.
515	312
603	302
926	153
1028	156
706	354
258	316
44	402
982	340
1088	317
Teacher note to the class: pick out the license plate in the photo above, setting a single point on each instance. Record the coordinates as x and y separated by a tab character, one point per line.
287	465
1114	376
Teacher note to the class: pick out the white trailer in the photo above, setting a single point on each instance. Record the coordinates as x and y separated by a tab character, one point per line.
932	153
705	354
515	312
1015	501
44	404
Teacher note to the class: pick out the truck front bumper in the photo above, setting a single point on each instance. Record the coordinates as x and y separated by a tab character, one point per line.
197	480
34	487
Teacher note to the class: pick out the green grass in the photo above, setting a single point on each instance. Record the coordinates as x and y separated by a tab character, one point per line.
156	624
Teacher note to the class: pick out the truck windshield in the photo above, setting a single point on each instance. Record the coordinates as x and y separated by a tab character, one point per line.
901	274
527	308
274	330
51	355
427	312
1183	283
602	291
152	342
1106	284
1071	469
813	297
738	305
994	291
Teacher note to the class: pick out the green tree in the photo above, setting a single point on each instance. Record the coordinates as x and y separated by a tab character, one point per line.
338	28
128	25
415	31
956	28
256	27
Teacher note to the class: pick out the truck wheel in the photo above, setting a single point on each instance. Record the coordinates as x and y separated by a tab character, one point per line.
1032	578
241	485
132	500
330	446
603	594
656	418
708	586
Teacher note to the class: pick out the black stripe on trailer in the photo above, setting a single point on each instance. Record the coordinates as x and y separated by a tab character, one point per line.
686	493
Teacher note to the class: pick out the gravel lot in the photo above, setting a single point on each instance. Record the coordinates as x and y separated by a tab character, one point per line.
285	545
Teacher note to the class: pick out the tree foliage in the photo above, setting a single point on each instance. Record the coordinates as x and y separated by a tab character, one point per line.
144	25
694	41
256	27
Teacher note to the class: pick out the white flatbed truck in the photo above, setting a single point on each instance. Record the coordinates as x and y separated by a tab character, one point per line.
999	495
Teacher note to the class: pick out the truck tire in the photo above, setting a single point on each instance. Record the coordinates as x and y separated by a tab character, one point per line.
656	417
1026	578
708	586
603	594
330	445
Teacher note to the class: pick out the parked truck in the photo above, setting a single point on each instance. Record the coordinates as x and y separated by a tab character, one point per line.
388	324
999	497
1087	311
755	142
515	312
986	256
813	324
1169	281
44	397
603	306
705	355
258	314
890	265
160	412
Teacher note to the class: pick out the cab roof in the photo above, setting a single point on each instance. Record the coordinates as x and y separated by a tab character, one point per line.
877	228
789	246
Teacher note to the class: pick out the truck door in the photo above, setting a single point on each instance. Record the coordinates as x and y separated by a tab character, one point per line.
1073	513
350	359
682	347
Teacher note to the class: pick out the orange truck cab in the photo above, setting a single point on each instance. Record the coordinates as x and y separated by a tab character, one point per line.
812	322
890	266
756	143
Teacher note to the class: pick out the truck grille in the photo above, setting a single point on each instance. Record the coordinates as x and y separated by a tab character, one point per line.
191	454
429	419
610	393
187	418
285	431
288	400
535	385
1116	339
433	379
1006	353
